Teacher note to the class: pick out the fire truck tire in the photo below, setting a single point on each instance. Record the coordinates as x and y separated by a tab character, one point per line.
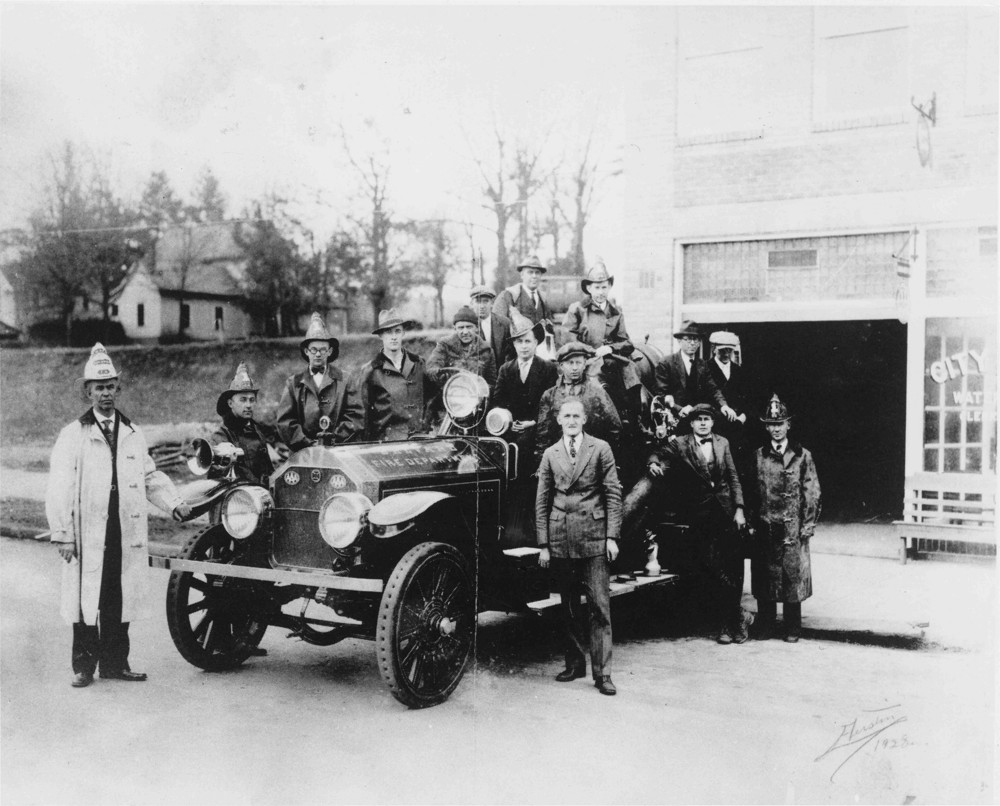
215	622
426	624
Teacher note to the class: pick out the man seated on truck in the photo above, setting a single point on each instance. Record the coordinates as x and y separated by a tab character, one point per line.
240	430
463	349
390	392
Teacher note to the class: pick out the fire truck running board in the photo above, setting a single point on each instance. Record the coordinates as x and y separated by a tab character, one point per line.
315	579
617	589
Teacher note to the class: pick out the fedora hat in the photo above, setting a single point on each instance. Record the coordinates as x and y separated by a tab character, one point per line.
317	332
574	348
776	412
521	324
688	328
389	319
241	382
98	368
531	263
598	274
482	291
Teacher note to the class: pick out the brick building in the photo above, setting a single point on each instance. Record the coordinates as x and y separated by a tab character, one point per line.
781	183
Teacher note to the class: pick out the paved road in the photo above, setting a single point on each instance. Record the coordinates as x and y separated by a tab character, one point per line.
694	721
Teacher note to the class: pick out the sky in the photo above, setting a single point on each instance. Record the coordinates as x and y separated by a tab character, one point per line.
259	93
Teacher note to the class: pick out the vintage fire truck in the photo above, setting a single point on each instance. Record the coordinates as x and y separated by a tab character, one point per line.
400	542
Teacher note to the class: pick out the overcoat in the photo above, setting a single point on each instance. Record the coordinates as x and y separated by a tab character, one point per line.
522	400
303	403
603	421
393	402
672	379
500	341
578	507
591	325
476	357
255	465
518	297
790	501
76	505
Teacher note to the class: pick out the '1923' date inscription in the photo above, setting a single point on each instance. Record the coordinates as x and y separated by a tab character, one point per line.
867	731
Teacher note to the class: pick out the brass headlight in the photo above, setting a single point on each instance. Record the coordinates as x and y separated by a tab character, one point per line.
243	509
463	394
342	517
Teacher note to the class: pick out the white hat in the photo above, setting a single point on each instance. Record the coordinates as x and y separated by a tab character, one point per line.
99	368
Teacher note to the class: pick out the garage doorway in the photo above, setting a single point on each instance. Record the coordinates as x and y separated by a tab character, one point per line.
845	384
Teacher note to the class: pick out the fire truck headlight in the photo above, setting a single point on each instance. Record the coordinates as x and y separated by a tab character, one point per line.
463	394
342	517
243	509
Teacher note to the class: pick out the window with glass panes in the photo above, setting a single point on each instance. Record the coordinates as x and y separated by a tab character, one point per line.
959	395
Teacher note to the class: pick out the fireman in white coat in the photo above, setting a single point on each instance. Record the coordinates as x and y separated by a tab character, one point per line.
99	479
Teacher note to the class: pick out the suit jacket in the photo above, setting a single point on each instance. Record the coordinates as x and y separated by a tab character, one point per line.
672	379
701	486
500	341
303	403
578	507
522	399
517	297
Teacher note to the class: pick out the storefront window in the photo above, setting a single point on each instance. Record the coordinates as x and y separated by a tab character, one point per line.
959	396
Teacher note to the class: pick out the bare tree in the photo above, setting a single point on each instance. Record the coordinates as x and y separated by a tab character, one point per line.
382	285
434	260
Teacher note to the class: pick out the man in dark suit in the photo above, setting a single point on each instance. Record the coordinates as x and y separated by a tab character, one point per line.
731	380
494	329
684	378
520	385
313	401
700	466
578	516
525	295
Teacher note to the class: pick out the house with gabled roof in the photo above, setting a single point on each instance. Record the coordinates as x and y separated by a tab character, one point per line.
189	286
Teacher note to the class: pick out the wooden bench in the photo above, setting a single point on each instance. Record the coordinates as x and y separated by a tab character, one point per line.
953	513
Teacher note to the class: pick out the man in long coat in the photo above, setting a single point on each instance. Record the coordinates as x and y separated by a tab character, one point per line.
789	494
699	466
578	516
100	477
493	327
603	421
236	406
520	386
393	388
318	392
684	378
525	295
731	380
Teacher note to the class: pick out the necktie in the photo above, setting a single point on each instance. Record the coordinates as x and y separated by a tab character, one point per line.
778	448
525	368
534	300
109	432
572	447
690	376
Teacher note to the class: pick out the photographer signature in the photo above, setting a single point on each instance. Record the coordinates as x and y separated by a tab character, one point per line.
867	730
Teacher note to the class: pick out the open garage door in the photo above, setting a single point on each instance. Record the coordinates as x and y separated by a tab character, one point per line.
845	383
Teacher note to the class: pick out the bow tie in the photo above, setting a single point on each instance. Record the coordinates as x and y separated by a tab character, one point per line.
703	440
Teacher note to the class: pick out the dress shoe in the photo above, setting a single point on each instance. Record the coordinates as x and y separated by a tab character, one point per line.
82	680
258	652
571	673
743	633
763	632
125	674
605	686
792	638
724	638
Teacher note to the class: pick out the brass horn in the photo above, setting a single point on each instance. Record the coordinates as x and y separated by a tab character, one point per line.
205	456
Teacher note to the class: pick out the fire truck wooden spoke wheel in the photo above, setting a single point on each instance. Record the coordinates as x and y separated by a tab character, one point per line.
426	624
215	622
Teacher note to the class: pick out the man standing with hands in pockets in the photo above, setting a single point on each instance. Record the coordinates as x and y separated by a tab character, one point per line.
578	517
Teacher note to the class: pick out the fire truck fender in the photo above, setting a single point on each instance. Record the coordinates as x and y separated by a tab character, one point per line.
395	513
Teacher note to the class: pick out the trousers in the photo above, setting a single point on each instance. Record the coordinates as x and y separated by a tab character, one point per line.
587	576
105	644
